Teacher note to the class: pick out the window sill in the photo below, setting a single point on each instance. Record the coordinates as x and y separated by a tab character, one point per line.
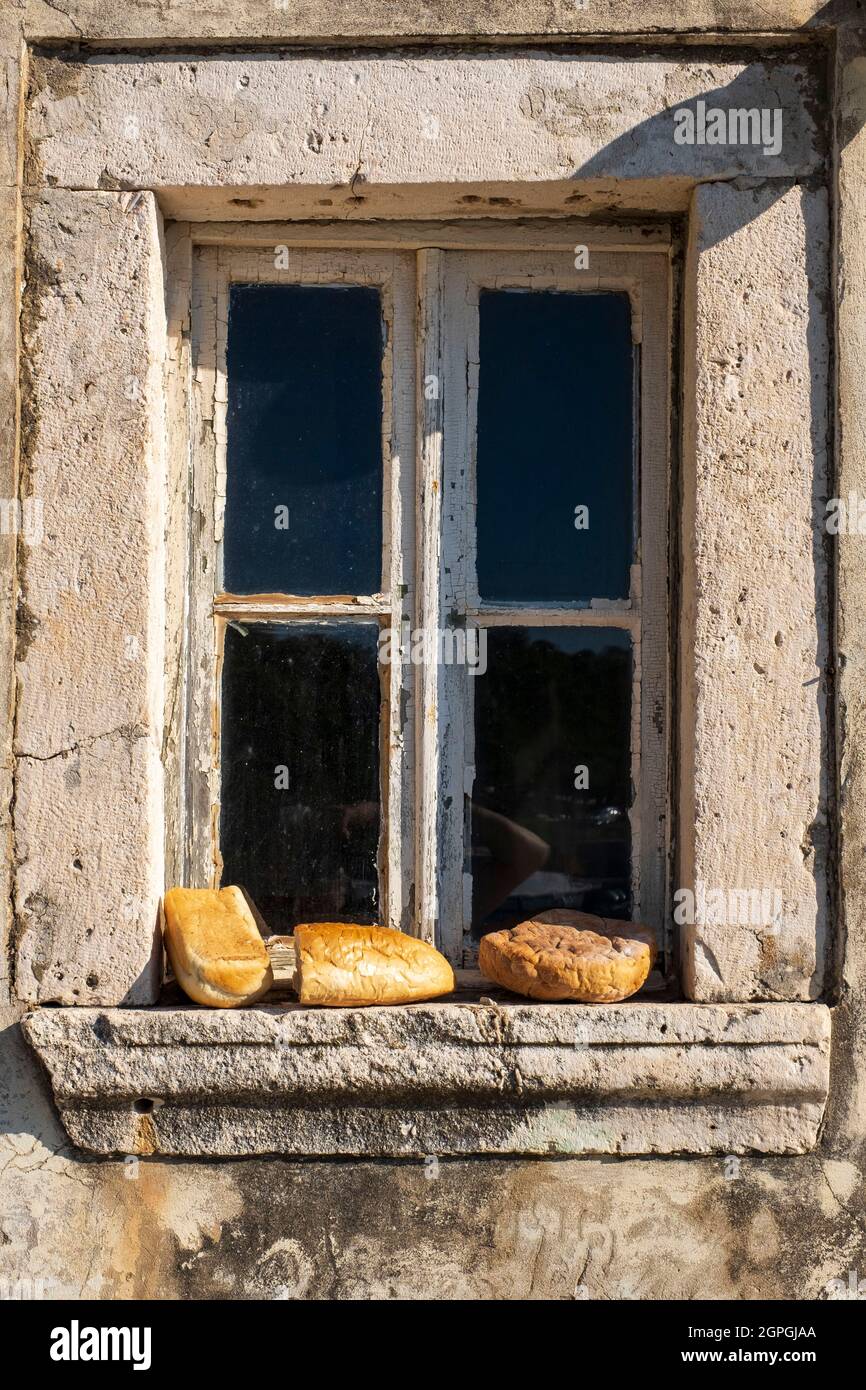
481	1075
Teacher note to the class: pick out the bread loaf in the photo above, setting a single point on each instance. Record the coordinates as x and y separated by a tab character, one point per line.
562	955
340	964
215	948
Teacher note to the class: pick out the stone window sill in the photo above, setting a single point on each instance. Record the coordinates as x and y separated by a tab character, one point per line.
480	1075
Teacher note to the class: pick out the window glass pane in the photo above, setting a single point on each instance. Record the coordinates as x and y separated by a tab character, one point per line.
552	788
554	435
304	484
299	821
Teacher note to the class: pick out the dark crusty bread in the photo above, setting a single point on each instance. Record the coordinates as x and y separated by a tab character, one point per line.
569	955
341	964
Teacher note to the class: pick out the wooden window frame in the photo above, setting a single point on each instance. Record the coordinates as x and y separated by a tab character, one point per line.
215	270
429	276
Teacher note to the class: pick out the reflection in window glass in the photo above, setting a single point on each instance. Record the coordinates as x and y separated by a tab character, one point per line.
299	820
554	446
304	484
552	790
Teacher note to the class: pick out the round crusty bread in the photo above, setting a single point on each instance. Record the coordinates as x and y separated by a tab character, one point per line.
215	947
569	955
340	964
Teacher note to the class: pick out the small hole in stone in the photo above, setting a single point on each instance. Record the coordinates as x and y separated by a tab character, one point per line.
664	1028
143	1106
77	864
92	981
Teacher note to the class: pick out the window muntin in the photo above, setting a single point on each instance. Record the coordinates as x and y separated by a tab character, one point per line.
430	373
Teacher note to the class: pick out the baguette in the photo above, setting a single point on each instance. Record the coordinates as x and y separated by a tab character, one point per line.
215	948
340	964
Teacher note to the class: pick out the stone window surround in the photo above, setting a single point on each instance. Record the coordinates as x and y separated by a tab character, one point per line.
108	1065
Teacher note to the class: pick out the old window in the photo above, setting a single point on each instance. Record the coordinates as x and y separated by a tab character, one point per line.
428	648
382	772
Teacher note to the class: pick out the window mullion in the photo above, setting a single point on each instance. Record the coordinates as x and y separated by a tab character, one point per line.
429	391
200	793
398	866
441	602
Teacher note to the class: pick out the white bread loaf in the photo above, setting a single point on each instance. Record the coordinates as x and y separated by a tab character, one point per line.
215	948
340	964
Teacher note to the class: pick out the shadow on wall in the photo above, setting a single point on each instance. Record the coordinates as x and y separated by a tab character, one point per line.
781	144
26	1105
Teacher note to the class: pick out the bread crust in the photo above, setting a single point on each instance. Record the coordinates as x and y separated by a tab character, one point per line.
563	955
340	964
215	947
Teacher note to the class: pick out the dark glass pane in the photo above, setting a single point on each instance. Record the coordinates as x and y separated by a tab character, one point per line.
554	434
299	821
304	485
553	709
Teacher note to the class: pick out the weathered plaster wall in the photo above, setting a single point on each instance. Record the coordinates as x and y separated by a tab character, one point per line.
369	20
674	1228
620	1228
